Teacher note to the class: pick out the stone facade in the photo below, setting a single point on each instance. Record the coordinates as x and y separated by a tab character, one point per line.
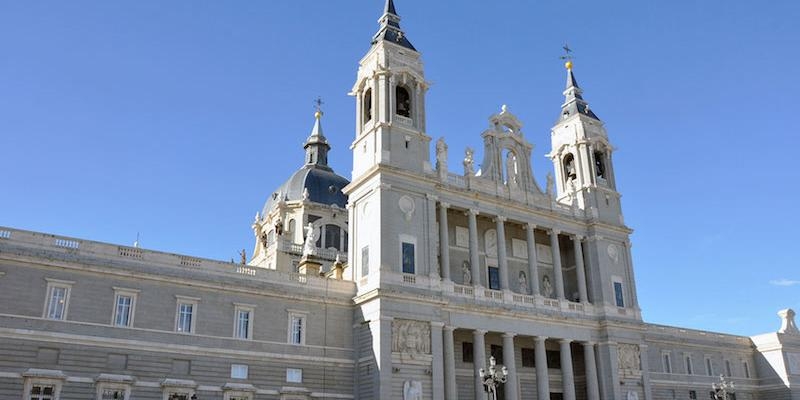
398	285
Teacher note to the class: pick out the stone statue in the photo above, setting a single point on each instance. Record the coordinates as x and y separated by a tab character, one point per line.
305	194
310	245
467	274
522	281
441	155
412	390
550	184
279	227
547	287
787	322
243	254
469	163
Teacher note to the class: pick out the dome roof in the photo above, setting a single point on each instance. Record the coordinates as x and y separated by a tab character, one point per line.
324	186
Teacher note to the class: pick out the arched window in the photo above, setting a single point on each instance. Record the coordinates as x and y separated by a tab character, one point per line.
599	164
512	168
333	237
367	106
403	101
569	167
291	226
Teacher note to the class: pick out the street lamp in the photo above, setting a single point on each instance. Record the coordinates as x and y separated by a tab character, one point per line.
494	378
722	389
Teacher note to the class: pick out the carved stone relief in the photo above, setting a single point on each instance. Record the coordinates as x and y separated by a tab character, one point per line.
462	236
613	253
490	241
544	254
411	338
406	205
629	357
519	248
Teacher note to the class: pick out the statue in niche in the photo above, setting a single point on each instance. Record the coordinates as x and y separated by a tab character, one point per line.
550	185
310	245
441	155
522	281
264	238
547	287
279	227
466	273
412	390
570	167
469	163
411	338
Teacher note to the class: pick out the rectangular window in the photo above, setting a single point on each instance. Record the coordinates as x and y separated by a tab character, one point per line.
467	354
112	394
553	359
494	278
618	296
239	371
689	370
365	261
294	375
667	363
709	367
692	395
243	321
728	368
746	369
124	306
408	258
333	237
185	315
42	392
528	358
297	328
57	303
496	352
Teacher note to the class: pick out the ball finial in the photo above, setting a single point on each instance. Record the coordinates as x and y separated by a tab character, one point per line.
318	114
568	64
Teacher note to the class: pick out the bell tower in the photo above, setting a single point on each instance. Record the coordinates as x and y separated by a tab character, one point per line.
390	102
581	155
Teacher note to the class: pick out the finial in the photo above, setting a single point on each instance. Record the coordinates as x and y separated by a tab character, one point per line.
567	56
503	108
318	107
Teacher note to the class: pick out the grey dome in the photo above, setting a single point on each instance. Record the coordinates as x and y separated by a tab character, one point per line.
324	187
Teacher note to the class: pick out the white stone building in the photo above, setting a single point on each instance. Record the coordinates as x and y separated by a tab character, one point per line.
398	284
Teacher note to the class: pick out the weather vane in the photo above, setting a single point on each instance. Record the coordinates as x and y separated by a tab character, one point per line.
567	56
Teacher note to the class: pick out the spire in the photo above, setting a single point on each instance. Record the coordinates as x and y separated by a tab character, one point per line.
317	145
573	101
389	29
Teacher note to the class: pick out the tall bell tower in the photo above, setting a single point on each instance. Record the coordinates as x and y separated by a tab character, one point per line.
390	102
581	155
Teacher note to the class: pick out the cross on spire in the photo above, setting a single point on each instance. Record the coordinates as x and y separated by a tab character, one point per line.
567	52
318	104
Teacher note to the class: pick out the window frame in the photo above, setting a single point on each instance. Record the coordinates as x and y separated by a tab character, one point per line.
489	267
246	370
133	294
666	361
194	302
746	368
411	241
467	352
303	316
40	377
689	365
619	296
294	370
709	364
239	308
53	284
119	383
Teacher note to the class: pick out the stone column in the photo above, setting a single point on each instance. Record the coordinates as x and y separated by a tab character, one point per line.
437	367
444	242
533	263
510	362
450	388
542	374
592	390
473	247
381	330
479	358
558	275
580	269
502	261
567	376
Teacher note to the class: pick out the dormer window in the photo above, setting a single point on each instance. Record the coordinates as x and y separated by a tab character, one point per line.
367	106
403	102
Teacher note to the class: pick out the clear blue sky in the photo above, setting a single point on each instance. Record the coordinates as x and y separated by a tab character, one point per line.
177	120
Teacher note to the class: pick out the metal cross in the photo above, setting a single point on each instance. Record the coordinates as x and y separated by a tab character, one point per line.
318	103
567	53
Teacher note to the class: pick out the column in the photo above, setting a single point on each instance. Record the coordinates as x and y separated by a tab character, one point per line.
381	329
542	374
450	388
558	276
533	270
444	242
511	364
474	261
592	390
437	367
567	377
580	269
502	261
479	358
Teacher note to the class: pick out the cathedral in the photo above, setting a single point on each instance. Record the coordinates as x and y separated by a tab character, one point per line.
406	281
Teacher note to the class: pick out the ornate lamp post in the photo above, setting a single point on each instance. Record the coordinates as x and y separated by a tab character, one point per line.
722	389
493	378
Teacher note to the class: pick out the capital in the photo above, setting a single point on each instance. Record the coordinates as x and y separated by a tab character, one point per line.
530	225
565	341
479	332
577	237
450	328
437	324
473	212
430	196
541	339
589	343
444	205
555	231
500	219
509	335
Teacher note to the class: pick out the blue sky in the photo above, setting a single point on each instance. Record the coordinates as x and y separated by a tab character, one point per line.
177	120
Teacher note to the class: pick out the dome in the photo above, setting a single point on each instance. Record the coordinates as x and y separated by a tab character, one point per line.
324	186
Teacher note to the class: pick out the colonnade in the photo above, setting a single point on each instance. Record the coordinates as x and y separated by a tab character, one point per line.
502	257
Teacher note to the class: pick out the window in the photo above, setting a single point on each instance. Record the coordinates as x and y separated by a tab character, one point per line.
294	375
367	106
243	321
239	371
728	368
297	327
709	367
496	352
185	315
599	164
569	167
692	395
403	102
528	358
689	369
467	354
112	394
237	395
124	307
42	392
333	237
408	257
667	363
553	359
746	369
291	226
365	261
494	278
42	384
618	295
113	387
57	303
